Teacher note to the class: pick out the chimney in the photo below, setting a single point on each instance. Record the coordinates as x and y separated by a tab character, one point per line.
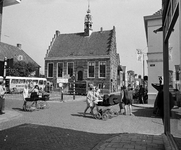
57	33
101	29
19	46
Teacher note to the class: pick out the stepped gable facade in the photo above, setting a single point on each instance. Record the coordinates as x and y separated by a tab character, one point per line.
89	56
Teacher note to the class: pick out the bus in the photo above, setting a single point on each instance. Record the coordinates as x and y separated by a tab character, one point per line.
16	84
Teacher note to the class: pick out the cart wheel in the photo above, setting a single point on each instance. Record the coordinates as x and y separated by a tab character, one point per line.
111	113
116	113
104	117
110	116
98	116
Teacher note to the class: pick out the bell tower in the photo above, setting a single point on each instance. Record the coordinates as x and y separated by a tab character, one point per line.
88	23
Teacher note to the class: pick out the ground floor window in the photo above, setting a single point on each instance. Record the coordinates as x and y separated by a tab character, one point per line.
50	69
102	69
60	69
91	69
70	68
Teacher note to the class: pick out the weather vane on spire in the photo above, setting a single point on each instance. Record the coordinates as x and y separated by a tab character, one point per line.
88	3
88	11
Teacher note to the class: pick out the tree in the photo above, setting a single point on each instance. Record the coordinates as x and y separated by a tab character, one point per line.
22	69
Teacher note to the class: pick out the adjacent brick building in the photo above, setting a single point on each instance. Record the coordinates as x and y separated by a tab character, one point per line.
89	56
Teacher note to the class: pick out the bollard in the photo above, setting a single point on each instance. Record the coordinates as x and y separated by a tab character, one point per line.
62	95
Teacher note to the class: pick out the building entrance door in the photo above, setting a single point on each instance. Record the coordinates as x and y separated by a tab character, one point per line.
80	75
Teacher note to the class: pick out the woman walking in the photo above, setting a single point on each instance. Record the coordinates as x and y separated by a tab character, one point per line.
130	99
127	97
2	99
25	95
98	98
90	100
122	102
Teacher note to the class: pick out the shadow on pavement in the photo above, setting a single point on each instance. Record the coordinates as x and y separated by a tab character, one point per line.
36	137
19	109
80	114
144	112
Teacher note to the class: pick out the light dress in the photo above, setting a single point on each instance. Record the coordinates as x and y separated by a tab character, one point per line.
25	93
90	98
98	98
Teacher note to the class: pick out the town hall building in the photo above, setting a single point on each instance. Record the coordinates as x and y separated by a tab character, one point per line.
88	56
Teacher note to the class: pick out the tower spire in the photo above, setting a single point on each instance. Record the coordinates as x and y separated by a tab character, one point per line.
88	22
88	7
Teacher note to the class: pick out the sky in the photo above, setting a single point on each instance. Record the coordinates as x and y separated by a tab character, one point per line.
33	23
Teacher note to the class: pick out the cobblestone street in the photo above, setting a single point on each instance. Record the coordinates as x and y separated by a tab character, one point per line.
62	126
39	137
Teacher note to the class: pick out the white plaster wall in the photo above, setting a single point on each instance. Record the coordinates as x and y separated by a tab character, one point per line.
155	57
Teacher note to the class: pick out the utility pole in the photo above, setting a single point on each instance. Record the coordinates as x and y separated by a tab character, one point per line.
73	77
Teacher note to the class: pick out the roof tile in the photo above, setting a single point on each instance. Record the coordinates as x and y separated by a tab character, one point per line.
10	51
77	44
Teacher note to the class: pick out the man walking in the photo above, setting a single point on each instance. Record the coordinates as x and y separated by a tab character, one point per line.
2	100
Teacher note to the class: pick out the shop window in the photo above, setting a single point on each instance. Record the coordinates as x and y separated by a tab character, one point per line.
102	69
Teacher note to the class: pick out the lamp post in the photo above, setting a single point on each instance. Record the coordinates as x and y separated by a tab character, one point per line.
5	65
